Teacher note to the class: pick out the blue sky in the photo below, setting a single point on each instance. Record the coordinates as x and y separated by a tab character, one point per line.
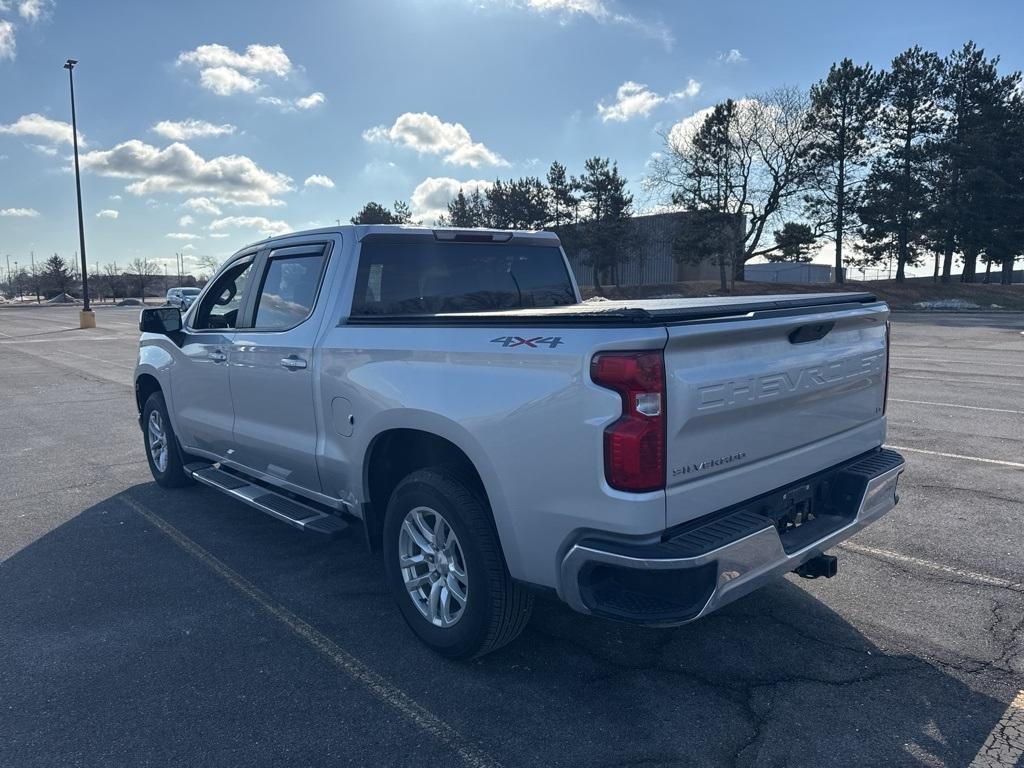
195	140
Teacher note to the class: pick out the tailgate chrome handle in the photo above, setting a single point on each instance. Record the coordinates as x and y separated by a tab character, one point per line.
217	356
811	332
293	363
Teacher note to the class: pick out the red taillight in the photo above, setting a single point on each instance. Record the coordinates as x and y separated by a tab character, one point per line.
888	344
634	446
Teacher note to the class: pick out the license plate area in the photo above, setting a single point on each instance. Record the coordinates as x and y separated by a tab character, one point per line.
809	510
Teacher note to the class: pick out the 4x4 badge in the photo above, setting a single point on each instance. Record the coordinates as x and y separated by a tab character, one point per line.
519	341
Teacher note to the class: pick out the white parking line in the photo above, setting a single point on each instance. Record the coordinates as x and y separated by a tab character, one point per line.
64	338
897	557
377	685
940	376
958	456
954	405
956	362
1005	744
127	366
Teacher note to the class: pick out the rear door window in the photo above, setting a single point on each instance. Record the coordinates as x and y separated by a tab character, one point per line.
430	277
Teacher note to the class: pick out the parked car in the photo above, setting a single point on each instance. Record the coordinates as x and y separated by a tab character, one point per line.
647	461
181	298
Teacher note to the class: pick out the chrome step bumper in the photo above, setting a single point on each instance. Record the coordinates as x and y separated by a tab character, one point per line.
720	558
285	509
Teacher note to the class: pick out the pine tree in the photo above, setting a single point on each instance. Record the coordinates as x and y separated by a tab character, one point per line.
564	204
896	194
793	242
844	107
459	212
402	213
607	210
56	275
374	213
969	170
1007	237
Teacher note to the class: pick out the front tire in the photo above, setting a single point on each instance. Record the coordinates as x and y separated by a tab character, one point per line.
162	449
445	568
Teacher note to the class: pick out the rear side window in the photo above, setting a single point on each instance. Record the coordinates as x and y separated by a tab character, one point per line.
288	291
423	277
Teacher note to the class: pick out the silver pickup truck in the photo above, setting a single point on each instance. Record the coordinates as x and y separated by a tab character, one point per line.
646	461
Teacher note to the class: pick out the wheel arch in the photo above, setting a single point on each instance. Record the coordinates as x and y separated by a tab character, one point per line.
145	385
396	452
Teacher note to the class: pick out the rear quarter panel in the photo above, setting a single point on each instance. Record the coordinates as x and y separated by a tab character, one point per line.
529	418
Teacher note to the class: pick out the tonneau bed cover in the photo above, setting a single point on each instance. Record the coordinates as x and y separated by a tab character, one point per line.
634	312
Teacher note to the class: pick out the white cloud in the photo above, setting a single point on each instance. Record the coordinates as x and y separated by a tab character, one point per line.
308	102
35	124
261	223
34	10
692	89
732	56
225	81
186	221
202	205
219	235
601	12
225	71
637	100
8	45
182	236
44	150
291	105
431	197
19	213
319	180
683	132
107	213
114	197
184	130
231	179
188	247
257	58
428	134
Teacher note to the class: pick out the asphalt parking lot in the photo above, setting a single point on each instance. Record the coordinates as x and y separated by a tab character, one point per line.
142	627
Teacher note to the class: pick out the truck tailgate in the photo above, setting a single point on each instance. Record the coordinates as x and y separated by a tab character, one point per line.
759	401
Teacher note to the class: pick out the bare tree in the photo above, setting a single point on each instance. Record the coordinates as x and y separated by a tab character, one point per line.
142	270
207	266
114	280
766	148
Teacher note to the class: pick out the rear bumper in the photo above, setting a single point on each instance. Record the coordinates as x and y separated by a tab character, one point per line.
700	567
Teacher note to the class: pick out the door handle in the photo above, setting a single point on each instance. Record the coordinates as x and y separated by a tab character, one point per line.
217	356
293	363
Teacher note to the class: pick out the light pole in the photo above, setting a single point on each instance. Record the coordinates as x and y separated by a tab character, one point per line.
87	318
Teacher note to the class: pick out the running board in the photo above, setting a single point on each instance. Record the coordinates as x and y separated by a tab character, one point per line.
295	513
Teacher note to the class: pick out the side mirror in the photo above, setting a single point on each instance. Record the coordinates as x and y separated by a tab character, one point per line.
165	320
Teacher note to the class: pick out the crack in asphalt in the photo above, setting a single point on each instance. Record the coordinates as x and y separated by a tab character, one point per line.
743	692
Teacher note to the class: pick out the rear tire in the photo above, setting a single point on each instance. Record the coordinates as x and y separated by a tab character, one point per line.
164	454
467	562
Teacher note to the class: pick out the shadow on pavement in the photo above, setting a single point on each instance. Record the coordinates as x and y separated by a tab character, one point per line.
119	647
